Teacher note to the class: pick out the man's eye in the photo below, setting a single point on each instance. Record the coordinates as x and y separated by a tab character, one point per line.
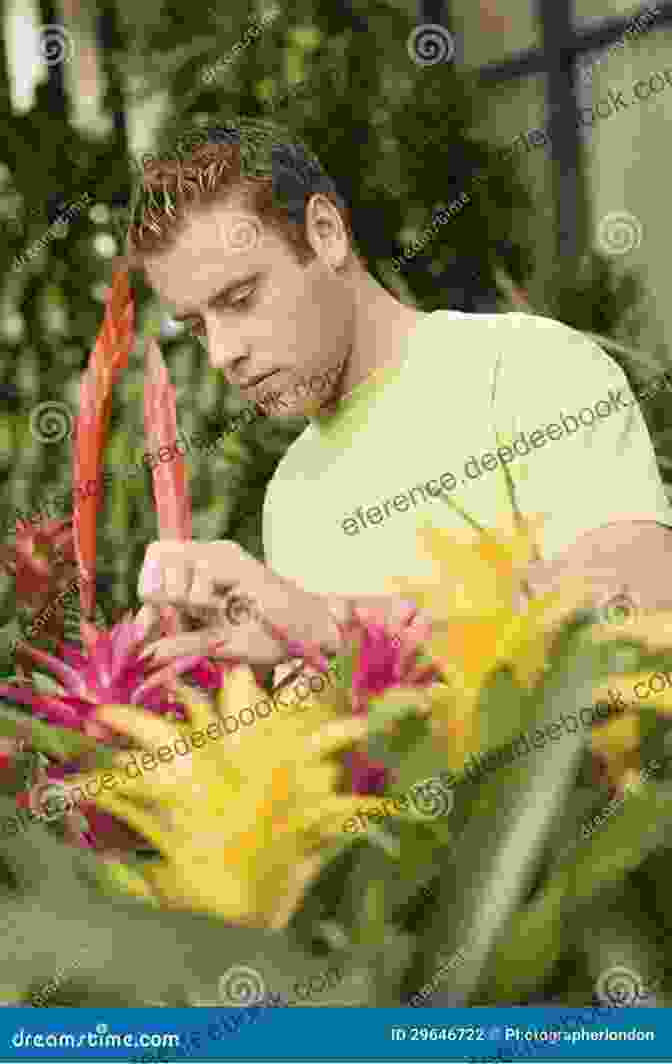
245	301
197	328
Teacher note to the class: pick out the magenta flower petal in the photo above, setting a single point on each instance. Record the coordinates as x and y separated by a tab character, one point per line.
69	677
47	706
126	638
166	674
378	664
71	654
366	776
208	676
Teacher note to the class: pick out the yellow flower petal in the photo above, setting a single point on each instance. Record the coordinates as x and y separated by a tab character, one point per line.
635	689
617	737
234	820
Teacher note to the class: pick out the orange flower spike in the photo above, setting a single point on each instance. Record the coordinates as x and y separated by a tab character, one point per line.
171	490
110	355
172	497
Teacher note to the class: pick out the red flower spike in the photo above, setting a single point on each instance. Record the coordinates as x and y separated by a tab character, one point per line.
41	561
110	355
172	497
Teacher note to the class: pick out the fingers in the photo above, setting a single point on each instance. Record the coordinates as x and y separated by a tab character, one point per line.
149	619
209	643
191	573
202	592
175	581
390	611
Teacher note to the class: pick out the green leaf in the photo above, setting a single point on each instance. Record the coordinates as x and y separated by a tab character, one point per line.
528	951
591	866
126	952
62	744
495	858
384	710
422	761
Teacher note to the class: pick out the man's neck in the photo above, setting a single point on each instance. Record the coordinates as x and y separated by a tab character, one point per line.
381	328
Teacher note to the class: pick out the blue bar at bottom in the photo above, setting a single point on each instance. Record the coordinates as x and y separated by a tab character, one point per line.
256	1033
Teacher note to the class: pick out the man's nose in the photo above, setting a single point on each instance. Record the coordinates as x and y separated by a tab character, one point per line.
226	347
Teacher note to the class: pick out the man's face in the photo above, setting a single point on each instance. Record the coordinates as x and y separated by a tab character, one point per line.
236	282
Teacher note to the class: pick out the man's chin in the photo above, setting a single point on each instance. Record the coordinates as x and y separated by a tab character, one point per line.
286	406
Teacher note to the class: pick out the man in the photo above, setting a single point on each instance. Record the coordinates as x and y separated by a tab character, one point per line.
416	406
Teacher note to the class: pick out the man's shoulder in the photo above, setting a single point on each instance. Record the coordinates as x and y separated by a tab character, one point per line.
550	362
477	351
518	334
540	345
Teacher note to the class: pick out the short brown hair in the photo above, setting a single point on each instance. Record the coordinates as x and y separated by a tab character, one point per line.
256	159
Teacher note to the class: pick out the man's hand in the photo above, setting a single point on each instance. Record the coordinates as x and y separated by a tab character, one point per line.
626	560
234	599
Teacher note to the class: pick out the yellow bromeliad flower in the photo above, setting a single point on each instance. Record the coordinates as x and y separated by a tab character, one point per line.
242	822
483	619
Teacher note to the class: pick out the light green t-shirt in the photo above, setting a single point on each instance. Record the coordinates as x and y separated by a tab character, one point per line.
467	386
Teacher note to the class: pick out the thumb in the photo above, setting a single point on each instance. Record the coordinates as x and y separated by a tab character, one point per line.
149	618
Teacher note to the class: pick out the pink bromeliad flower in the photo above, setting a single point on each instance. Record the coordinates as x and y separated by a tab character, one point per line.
109	668
110	671
387	657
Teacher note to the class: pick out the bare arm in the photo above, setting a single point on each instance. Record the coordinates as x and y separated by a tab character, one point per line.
630	558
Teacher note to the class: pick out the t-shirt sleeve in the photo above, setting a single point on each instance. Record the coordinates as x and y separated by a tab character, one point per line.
585	456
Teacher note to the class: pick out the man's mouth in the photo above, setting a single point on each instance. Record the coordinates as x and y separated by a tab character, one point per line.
252	382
